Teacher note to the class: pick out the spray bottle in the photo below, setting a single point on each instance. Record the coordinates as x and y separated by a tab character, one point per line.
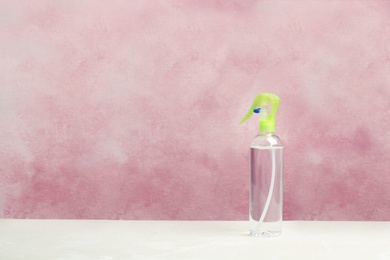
266	177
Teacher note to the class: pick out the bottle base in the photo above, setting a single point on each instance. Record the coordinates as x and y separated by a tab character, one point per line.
262	233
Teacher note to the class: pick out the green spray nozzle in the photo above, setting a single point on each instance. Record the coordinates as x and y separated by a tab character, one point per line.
267	104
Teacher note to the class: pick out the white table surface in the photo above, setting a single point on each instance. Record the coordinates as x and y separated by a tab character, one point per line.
112	240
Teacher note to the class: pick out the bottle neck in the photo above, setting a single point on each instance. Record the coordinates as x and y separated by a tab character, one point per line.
266	133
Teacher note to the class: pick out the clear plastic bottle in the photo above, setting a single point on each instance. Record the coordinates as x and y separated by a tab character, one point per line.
266	185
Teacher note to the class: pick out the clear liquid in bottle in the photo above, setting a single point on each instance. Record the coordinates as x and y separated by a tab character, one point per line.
264	183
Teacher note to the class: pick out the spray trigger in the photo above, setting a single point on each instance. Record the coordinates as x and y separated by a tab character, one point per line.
268	103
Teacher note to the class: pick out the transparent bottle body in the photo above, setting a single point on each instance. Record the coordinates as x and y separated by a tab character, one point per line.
266	186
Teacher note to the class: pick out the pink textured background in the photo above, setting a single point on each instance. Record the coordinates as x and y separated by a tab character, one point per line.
130	109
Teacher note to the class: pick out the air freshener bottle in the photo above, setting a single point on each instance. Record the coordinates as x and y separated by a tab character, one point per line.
266	177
